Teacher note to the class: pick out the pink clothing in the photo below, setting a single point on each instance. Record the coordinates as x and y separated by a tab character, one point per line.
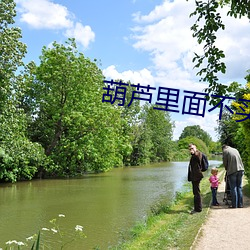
214	181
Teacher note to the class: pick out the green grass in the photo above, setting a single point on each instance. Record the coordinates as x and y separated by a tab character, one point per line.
170	226
246	188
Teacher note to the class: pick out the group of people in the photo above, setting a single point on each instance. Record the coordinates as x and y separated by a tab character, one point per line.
234	169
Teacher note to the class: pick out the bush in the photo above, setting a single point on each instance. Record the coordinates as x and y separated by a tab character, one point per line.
20	159
201	146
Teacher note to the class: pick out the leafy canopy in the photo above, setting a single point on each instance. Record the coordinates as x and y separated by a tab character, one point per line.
196	131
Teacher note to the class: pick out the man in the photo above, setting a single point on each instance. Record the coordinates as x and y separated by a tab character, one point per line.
235	170
195	175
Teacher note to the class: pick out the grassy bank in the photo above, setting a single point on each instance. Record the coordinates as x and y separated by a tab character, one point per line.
170	227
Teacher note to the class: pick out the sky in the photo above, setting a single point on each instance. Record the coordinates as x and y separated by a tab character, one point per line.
142	41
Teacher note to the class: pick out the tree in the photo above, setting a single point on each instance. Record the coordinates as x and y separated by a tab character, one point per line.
242	135
161	131
208	23
19	157
141	145
227	129
215	147
154	136
129	116
12	50
196	131
67	116
183	144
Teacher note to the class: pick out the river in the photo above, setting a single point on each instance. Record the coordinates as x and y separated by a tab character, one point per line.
105	204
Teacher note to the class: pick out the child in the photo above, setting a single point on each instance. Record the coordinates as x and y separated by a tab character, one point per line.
214	185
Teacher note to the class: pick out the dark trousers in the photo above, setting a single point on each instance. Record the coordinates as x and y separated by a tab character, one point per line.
197	196
214	196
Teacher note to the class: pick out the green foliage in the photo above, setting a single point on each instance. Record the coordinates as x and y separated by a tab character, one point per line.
210	20
67	116
178	154
215	148
141	145
227	129
236	134
152	137
241	138
196	131
181	154
201	146
12	50
242	134
130	125
36	243
161	131
20	158
237	8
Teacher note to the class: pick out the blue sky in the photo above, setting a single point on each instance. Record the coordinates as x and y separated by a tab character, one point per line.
144	41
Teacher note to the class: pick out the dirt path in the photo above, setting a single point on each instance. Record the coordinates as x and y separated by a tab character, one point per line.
225	228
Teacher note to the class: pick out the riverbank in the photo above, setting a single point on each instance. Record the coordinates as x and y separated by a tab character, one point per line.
171	227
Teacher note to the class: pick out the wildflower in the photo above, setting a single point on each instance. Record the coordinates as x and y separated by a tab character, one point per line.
78	228
45	229
10	242
29	238
61	215
20	243
54	230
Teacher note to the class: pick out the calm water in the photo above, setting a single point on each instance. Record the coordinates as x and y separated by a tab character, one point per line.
104	204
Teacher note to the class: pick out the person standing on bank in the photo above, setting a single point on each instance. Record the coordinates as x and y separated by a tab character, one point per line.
214	181
195	175
235	169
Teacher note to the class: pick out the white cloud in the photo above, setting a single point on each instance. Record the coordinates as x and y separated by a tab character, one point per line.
234	41
142	76
83	34
165	33
159	12
44	14
178	79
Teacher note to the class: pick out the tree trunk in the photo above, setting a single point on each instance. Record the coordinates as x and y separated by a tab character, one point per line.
56	139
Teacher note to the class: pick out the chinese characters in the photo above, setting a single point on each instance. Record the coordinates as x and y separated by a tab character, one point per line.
194	103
